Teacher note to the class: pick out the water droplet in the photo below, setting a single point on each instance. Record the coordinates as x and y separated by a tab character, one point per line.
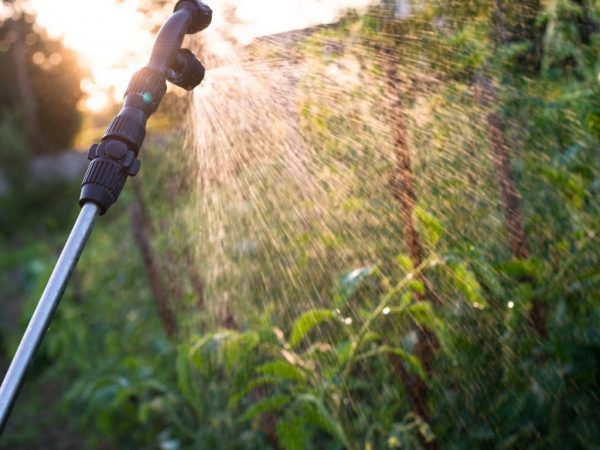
386	311
348	321
511	305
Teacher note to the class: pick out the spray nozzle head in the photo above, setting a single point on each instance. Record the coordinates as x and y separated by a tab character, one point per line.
186	72
202	14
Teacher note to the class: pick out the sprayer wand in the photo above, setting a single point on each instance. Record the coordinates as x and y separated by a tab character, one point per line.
112	161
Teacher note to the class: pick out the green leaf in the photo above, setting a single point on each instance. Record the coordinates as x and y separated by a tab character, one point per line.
227	350
524	293
422	313
412	361
316	412
465	281
306	322
593	123
283	371
185	379
343	351
237	349
571	186
405	263
291	433
266	405
241	393
430	227
519	268
417	286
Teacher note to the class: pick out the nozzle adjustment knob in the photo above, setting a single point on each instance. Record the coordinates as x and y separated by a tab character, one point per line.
187	71
112	162
127	127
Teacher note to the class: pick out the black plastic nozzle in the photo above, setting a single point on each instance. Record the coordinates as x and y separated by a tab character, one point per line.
187	72
202	14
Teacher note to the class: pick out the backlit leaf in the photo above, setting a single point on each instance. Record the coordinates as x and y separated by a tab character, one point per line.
306	322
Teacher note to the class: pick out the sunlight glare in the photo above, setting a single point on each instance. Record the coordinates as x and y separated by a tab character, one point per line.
111	37
114	39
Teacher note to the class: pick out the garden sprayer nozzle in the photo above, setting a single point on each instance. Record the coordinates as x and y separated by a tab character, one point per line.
114	159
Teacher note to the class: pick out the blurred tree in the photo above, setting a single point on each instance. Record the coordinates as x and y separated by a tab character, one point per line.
516	23
140	225
403	190
511	198
41	82
23	81
507	26
404	193
14	154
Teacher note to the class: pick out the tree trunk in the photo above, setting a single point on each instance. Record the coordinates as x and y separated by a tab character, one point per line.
171	267
487	97
404	193
140	225
511	200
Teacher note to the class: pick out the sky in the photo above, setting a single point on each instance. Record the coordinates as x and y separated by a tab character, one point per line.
114	40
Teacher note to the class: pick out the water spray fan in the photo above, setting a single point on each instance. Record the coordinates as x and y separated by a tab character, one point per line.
112	161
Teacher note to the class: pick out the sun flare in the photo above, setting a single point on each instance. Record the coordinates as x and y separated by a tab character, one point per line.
114	39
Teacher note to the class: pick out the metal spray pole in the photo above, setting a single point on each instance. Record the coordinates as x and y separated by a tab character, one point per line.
45	309
113	160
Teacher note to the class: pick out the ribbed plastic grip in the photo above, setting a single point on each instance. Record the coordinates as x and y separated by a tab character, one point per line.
102	184
150	85
128	128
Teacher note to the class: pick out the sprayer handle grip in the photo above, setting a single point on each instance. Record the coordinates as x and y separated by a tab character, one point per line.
112	161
